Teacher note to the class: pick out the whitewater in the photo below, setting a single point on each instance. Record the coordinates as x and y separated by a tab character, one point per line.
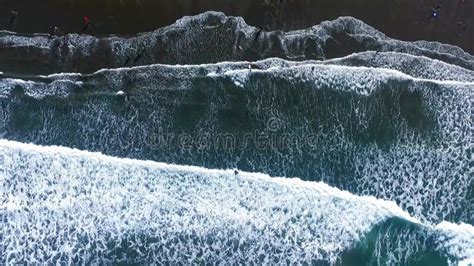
65	205
332	145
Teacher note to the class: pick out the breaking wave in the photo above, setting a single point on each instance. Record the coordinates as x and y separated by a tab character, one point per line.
383	133
191	40
67	206
378	132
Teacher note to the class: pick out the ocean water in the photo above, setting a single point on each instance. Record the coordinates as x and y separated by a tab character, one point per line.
352	148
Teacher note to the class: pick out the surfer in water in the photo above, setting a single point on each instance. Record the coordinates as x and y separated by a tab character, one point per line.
122	96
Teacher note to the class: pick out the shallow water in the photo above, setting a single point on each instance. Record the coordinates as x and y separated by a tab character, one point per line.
378	136
79	207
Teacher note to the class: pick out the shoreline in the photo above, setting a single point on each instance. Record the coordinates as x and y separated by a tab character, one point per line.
403	19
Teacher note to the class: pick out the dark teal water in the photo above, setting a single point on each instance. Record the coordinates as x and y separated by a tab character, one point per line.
389	124
400	134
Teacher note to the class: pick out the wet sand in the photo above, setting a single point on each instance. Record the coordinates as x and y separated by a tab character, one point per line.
400	19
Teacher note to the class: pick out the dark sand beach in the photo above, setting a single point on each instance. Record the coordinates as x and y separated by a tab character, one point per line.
400	19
